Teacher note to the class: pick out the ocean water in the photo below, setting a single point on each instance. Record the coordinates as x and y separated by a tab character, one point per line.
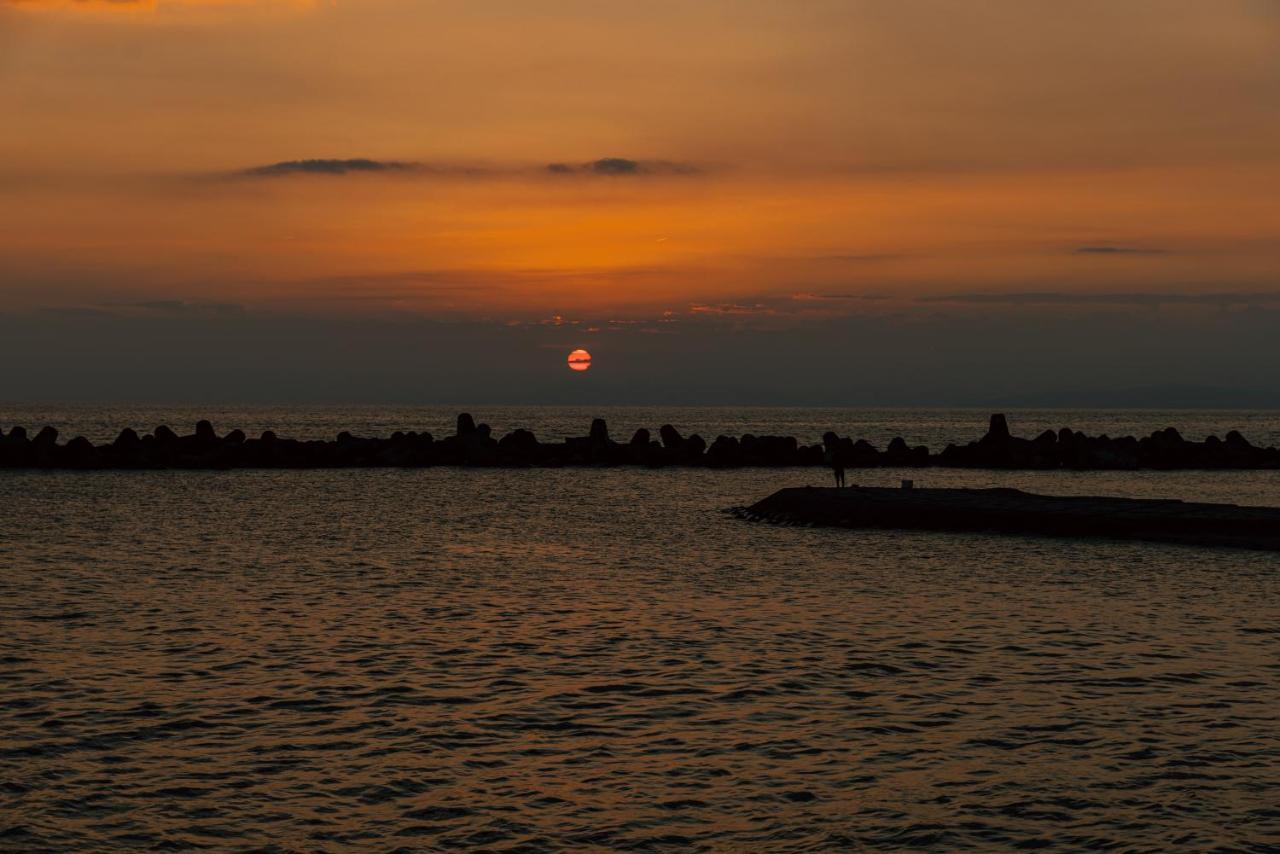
564	659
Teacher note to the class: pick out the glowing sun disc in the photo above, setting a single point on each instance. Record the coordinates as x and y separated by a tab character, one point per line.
579	360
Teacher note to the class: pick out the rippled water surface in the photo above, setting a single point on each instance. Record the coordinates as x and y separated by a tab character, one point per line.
381	659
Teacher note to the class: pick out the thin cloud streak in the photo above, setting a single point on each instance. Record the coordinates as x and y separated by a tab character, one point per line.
622	166
327	167
1237	298
612	167
867	258
1117	250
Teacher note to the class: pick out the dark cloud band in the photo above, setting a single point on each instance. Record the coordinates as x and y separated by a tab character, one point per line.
327	167
623	166
606	166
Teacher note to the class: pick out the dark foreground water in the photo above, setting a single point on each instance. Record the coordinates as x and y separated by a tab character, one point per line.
419	659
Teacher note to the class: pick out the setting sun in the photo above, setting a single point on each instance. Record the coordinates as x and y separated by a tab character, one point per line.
864	274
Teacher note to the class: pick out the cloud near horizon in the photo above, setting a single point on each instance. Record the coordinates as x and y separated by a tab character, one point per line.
173	352
1046	298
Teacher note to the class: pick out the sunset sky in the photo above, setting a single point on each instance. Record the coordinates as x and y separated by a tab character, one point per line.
746	201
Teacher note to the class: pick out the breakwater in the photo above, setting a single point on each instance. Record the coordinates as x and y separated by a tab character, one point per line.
1011	511
474	444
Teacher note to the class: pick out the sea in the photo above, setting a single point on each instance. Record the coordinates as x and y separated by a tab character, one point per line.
576	659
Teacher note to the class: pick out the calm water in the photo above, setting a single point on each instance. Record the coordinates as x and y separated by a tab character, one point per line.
550	659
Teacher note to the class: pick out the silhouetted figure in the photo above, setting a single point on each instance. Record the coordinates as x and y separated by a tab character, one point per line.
831	456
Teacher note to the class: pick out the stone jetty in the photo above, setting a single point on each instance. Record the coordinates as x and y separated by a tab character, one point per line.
1011	511
474	444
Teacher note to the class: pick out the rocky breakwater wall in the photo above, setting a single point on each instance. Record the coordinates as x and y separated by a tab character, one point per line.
474	444
471	444
1068	449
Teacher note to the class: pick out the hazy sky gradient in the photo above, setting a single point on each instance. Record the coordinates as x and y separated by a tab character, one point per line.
692	188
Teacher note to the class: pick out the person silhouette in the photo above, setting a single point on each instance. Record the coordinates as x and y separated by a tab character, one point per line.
831	456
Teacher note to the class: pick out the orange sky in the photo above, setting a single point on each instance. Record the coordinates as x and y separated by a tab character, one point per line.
819	156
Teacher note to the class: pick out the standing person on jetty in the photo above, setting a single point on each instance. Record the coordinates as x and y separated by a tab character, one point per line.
831	456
